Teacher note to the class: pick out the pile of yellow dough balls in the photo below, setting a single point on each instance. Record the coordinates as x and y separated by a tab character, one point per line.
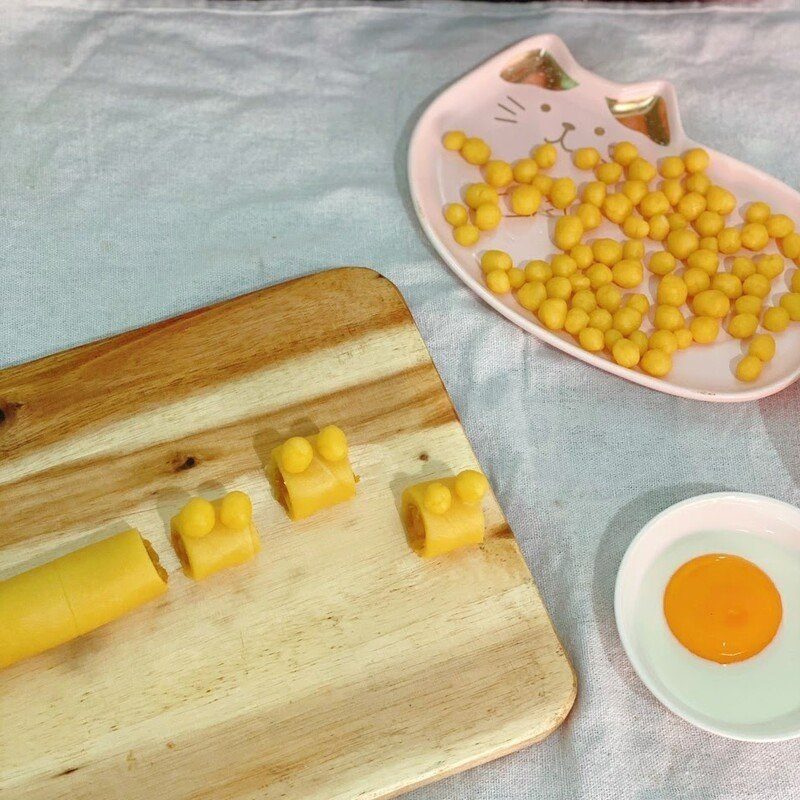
580	290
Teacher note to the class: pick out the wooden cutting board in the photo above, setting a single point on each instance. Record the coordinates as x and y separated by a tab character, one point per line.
336	665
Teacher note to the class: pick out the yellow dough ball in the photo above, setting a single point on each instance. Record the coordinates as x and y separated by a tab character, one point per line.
591	339
477	194
791	302
525	170
728	284
704	259
743	267
635	227
196	519
624	152
654	203
697	280
668	318
611	337
582	255
779	226
729	240
673	190
748	304
639	338
769	265
711	303
794	284
626	320
749	368
235	511
584	299
471	486
496	259
558	286
672	291
608	172
516	277
563	192
677	222
531	295
454	140
659	228
616	207
682	243
466	235
487	217
661	262
697	182
594	193
498	281
601	319
656	363
456	214
639	302
577	319
762	347
640	169
704	330
543	183
634	191
633	248
498	173
709	223
538	270
757	285
607	251
671	167
563	265
742	326
709	243
684	338
626	353
696	160
296	455
790	246
585	157
691	206
754	236
589	215
553	312
720	200
568	232
776	319
525	200
545	155
599	274
476	151
437	498
757	212
665	340
627	273
609	298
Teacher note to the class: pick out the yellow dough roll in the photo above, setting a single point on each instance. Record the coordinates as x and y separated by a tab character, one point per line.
432	534
75	594
322	483
220	548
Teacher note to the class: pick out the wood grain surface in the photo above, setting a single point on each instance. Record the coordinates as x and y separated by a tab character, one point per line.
338	664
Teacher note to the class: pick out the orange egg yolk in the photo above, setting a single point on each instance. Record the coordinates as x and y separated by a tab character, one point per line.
722	607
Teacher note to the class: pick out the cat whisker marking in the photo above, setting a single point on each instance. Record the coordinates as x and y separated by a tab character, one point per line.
506	108
503	119
517	104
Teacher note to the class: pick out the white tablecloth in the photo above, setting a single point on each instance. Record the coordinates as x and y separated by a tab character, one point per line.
158	156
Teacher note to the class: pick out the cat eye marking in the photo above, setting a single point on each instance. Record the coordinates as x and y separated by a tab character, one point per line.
545	107
599	131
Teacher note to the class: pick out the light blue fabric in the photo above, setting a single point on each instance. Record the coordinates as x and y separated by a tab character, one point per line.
162	156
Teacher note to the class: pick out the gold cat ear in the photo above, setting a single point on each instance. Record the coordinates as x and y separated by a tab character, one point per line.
539	68
647	115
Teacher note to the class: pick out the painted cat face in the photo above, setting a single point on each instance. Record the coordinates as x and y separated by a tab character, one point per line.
645	113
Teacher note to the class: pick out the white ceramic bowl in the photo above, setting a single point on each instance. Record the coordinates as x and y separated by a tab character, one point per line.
508	113
752	518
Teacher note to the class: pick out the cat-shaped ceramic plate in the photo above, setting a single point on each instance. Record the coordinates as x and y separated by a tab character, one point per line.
536	91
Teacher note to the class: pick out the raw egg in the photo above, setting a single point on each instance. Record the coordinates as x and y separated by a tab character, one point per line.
722	607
